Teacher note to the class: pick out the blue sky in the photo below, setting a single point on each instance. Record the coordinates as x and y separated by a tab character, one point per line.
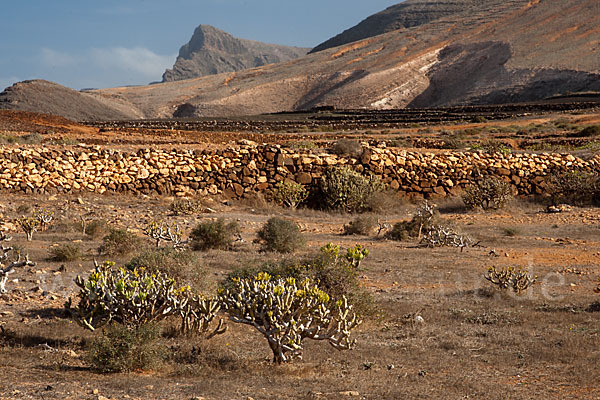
88	43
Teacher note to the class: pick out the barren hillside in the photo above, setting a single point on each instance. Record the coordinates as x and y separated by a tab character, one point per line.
493	51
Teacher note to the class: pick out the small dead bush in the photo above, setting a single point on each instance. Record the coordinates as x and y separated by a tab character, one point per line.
347	148
574	187
95	228
214	235
120	242
362	225
65	252
489	193
185	207
281	235
424	220
120	349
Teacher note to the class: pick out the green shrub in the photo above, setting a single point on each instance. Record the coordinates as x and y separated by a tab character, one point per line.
348	190
487	193
290	194
281	235
214	235
120	242
120	349
362	225
574	187
65	252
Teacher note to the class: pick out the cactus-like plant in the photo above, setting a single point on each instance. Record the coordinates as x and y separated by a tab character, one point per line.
510	278
439	236
167	232
136	297
489	193
45	217
29	226
7	268
287	311
290	194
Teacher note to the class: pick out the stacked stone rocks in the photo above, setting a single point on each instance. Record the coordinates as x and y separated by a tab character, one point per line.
249	167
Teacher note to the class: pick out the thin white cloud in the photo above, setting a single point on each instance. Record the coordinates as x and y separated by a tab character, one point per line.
137	60
52	58
104	67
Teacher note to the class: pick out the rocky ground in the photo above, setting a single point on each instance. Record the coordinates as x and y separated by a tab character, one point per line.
474	340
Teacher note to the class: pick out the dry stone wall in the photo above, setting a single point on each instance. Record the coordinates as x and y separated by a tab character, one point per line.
249	167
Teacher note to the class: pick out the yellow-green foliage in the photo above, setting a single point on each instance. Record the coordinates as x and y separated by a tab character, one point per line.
286	311
135	297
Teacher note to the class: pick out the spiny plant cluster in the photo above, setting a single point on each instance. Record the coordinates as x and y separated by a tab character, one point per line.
290	194
169	232
510	278
488	193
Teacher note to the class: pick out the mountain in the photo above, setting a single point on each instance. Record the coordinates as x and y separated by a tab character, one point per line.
489	51
51	98
212	51
404	15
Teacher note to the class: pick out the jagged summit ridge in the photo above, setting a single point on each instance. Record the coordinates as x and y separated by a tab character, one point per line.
212	51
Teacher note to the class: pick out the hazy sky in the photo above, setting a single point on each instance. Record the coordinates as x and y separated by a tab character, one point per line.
88	43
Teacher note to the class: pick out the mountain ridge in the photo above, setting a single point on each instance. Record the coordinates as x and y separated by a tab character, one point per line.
213	51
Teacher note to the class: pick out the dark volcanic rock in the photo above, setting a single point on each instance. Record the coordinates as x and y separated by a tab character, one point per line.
212	51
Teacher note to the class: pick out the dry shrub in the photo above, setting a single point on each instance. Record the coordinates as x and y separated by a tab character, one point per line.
281	235
574	187
96	228
489	193
348	190
214	235
65	252
347	148
120	349
120	242
184	266
362	225
185	207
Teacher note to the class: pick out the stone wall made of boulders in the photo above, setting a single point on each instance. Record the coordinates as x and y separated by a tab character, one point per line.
248	168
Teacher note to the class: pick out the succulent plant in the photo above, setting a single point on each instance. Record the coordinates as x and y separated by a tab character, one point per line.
135	297
29	226
44	217
287	311
8	268
510	278
167	232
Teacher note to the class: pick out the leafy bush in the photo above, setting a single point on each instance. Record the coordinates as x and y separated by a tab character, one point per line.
510	278
214	235
290	194
65	252
185	207
281	235
120	349
362	225
136	297
488	193
334	271
347	148
348	190
119	242
574	187
287	311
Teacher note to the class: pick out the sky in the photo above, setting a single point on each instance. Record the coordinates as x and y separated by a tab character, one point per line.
108	43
